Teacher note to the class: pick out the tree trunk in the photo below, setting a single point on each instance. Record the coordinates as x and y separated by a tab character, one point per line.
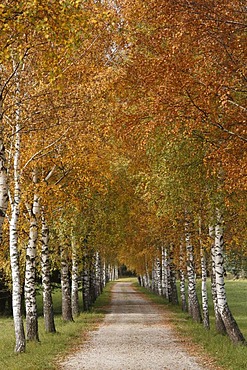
116	272
98	283
107	273
13	243
103	274
174	292
193	303
219	325
46	279
168	273
157	276
30	274
205	312
147	276
92	278
85	284
113	272
65	285
231	326
164	283
182	278
140	280
20	345
3	179
3	170
75	279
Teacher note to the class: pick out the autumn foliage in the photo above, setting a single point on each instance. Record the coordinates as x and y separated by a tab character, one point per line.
131	113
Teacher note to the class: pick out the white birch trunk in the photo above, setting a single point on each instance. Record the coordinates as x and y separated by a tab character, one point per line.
116	272
141	280
20	342
3	170
104	274
13	239
205	312
65	285
182	278
168	274
174	293
165	291
98	284
75	280
14	254
112	272
46	279
164	272
85	284
147	280
92	277
219	325
3	184
157	276
30	274
231	326
108	272
153	278
219	265
193	303
144	281
147	276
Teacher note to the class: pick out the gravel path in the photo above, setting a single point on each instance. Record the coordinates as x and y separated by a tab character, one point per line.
135	335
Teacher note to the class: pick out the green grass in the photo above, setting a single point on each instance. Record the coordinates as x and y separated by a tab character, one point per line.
52	347
219	347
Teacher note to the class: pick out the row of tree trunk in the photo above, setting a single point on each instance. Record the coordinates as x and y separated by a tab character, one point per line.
164	274
89	273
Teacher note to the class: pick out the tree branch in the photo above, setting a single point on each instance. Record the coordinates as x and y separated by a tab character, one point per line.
13	73
41	150
218	125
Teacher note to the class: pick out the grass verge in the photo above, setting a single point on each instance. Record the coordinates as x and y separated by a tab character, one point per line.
216	346
52	347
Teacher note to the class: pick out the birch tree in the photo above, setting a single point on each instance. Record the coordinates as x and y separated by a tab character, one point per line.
85	283
231	326
164	271
193	303
74	278
30	272
3	168
30	275
182	276
65	281
219	324
46	277
174	293
13	226
205	311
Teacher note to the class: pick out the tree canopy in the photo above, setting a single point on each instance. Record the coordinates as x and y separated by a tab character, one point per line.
132	116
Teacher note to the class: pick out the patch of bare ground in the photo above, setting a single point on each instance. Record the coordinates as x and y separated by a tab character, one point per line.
79	341
194	349
138	335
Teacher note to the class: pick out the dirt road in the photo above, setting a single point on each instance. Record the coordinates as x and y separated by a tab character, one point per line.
135	335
